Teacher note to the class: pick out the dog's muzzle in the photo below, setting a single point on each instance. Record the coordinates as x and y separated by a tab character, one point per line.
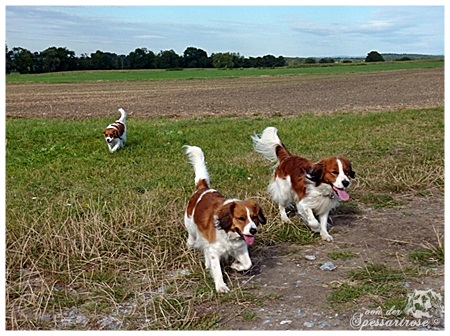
249	239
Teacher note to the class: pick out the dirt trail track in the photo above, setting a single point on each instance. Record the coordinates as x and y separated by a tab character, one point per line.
383	236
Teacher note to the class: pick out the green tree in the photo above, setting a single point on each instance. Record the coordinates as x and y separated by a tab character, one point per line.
23	60
57	59
9	63
168	59
374	56
102	60
310	60
239	61
84	62
196	58
222	60
141	58
326	60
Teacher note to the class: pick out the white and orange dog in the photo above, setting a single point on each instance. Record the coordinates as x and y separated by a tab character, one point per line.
116	133
315	188
217	225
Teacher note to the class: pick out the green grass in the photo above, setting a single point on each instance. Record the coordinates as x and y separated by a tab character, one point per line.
186	74
430	254
375	280
342	255
94	230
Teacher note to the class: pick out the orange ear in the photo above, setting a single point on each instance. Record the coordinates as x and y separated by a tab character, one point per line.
260	218
108	132
225	216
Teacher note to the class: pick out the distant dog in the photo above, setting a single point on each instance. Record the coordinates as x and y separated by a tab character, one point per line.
217	225
315	188
116	133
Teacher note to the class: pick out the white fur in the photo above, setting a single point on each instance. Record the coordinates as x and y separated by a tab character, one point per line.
339	183
266	144
225	244
197	159
117	143
318	200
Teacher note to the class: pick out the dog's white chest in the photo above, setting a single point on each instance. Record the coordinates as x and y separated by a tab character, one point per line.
320	199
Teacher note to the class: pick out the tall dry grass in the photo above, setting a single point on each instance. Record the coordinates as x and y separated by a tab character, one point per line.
96	241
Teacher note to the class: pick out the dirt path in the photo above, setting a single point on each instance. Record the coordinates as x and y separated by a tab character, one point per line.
300	288
261	96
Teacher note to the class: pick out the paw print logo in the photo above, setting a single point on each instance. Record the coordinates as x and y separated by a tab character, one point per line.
421	302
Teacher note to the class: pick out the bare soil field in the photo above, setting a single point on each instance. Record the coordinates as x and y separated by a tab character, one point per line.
261	96
298	285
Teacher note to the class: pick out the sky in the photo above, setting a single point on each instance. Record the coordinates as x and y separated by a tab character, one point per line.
250	30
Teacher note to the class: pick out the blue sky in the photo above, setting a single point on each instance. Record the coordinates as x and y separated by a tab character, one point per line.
291	31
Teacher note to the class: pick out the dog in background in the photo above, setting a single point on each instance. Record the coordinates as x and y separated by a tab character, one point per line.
314	187
217	225
116	133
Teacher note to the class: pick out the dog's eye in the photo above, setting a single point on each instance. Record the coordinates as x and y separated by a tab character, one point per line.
241	219
334	172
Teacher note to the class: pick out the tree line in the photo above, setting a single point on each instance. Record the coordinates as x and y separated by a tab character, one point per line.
55	59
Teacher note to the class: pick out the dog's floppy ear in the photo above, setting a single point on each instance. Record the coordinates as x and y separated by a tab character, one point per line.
316	172
352	173
261	218
225	216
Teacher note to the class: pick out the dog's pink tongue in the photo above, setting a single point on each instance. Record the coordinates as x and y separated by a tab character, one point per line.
343	194
249	239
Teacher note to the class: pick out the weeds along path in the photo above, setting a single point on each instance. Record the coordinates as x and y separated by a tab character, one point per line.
259	96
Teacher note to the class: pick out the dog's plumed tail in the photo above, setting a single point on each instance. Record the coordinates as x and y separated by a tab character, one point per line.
270	145
197	159
123	115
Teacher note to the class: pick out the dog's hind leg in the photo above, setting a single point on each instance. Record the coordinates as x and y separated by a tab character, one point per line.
207	258
283	214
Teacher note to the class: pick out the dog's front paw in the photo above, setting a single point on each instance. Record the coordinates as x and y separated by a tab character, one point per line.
236	265
222	288
326	237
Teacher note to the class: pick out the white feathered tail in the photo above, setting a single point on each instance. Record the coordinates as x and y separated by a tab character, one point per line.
267	143
123	115
197	159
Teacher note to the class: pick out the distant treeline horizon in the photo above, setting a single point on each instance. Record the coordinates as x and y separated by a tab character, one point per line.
56	59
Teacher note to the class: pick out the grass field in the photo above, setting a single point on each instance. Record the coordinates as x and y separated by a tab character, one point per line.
139	75
94	230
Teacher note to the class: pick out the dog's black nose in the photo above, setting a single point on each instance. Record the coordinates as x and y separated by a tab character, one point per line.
346	183
253	231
